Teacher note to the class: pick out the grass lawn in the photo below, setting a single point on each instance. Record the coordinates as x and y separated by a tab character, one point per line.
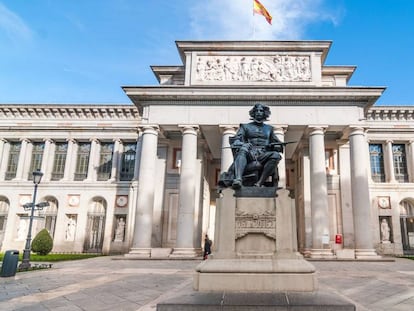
54	257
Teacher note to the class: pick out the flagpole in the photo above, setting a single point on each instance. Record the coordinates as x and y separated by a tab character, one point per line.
254	24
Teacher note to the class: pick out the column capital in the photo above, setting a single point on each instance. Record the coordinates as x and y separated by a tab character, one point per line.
117	140
25	140
389	141
71	140
316	129
4	140
48	139
189	129
280	128
149	129
228	129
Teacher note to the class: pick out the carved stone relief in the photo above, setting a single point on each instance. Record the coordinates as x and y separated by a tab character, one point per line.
277	68
256	221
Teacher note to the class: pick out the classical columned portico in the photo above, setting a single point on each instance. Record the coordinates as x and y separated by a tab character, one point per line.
185	221
226	152
141	245
361	205
319	194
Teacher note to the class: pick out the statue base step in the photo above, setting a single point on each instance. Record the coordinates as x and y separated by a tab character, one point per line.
257	302
255	275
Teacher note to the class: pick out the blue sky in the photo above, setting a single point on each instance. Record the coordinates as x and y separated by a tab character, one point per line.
83	51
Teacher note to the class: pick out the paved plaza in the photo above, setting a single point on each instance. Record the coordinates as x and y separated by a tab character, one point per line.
111	283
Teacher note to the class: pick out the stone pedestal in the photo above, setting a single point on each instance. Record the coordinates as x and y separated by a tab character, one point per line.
255	250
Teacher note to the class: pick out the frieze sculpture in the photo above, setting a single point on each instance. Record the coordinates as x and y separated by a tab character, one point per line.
278	68
256	151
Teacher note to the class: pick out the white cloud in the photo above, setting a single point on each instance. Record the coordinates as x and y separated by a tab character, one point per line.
13	26
234	19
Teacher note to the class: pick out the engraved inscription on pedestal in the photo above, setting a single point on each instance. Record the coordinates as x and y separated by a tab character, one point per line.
262	68
255	223
255	226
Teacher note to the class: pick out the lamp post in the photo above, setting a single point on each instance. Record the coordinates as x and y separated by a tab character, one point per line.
37	177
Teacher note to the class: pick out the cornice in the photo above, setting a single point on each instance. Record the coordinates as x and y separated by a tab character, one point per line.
76	112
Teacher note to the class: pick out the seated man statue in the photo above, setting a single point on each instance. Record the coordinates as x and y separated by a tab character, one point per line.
256	152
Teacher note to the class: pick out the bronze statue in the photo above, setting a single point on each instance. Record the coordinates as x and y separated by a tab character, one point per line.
256	152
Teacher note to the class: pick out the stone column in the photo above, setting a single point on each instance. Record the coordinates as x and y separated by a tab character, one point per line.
389	162
361	204
226	153
47	160
22	160
280	131
319	195
70	160
410	160
141	245
185	222
93	160
115	159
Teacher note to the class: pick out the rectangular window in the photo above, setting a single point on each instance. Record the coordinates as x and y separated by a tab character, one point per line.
59	161
82	161
400	163
377	162
128	162
105	161
13	160
37	157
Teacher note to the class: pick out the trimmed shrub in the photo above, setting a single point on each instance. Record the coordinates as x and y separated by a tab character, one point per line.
42	244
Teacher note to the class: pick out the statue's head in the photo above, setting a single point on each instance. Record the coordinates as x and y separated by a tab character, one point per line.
259	112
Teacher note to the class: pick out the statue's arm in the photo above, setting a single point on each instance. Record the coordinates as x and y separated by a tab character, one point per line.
239	138
274	143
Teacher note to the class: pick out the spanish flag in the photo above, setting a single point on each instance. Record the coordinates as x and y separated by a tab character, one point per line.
260	9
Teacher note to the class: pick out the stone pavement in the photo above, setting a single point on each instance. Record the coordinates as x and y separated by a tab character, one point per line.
106	284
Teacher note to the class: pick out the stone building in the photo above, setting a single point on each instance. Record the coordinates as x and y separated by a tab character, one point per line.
141	178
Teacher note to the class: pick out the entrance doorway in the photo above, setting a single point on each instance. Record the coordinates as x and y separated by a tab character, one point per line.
407	226
95	227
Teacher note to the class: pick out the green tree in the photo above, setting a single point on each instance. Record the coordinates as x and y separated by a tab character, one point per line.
42	243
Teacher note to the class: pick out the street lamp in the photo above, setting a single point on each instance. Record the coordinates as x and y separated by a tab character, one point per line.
37	177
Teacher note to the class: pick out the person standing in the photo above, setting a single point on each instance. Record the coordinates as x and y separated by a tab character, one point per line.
207	247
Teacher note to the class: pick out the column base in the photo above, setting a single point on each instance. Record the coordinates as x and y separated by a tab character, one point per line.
316	253
139	253
369	254
185	253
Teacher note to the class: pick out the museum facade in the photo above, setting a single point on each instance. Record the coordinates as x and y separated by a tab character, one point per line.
141	178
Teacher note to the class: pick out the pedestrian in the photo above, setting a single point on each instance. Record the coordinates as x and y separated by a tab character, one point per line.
207	247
